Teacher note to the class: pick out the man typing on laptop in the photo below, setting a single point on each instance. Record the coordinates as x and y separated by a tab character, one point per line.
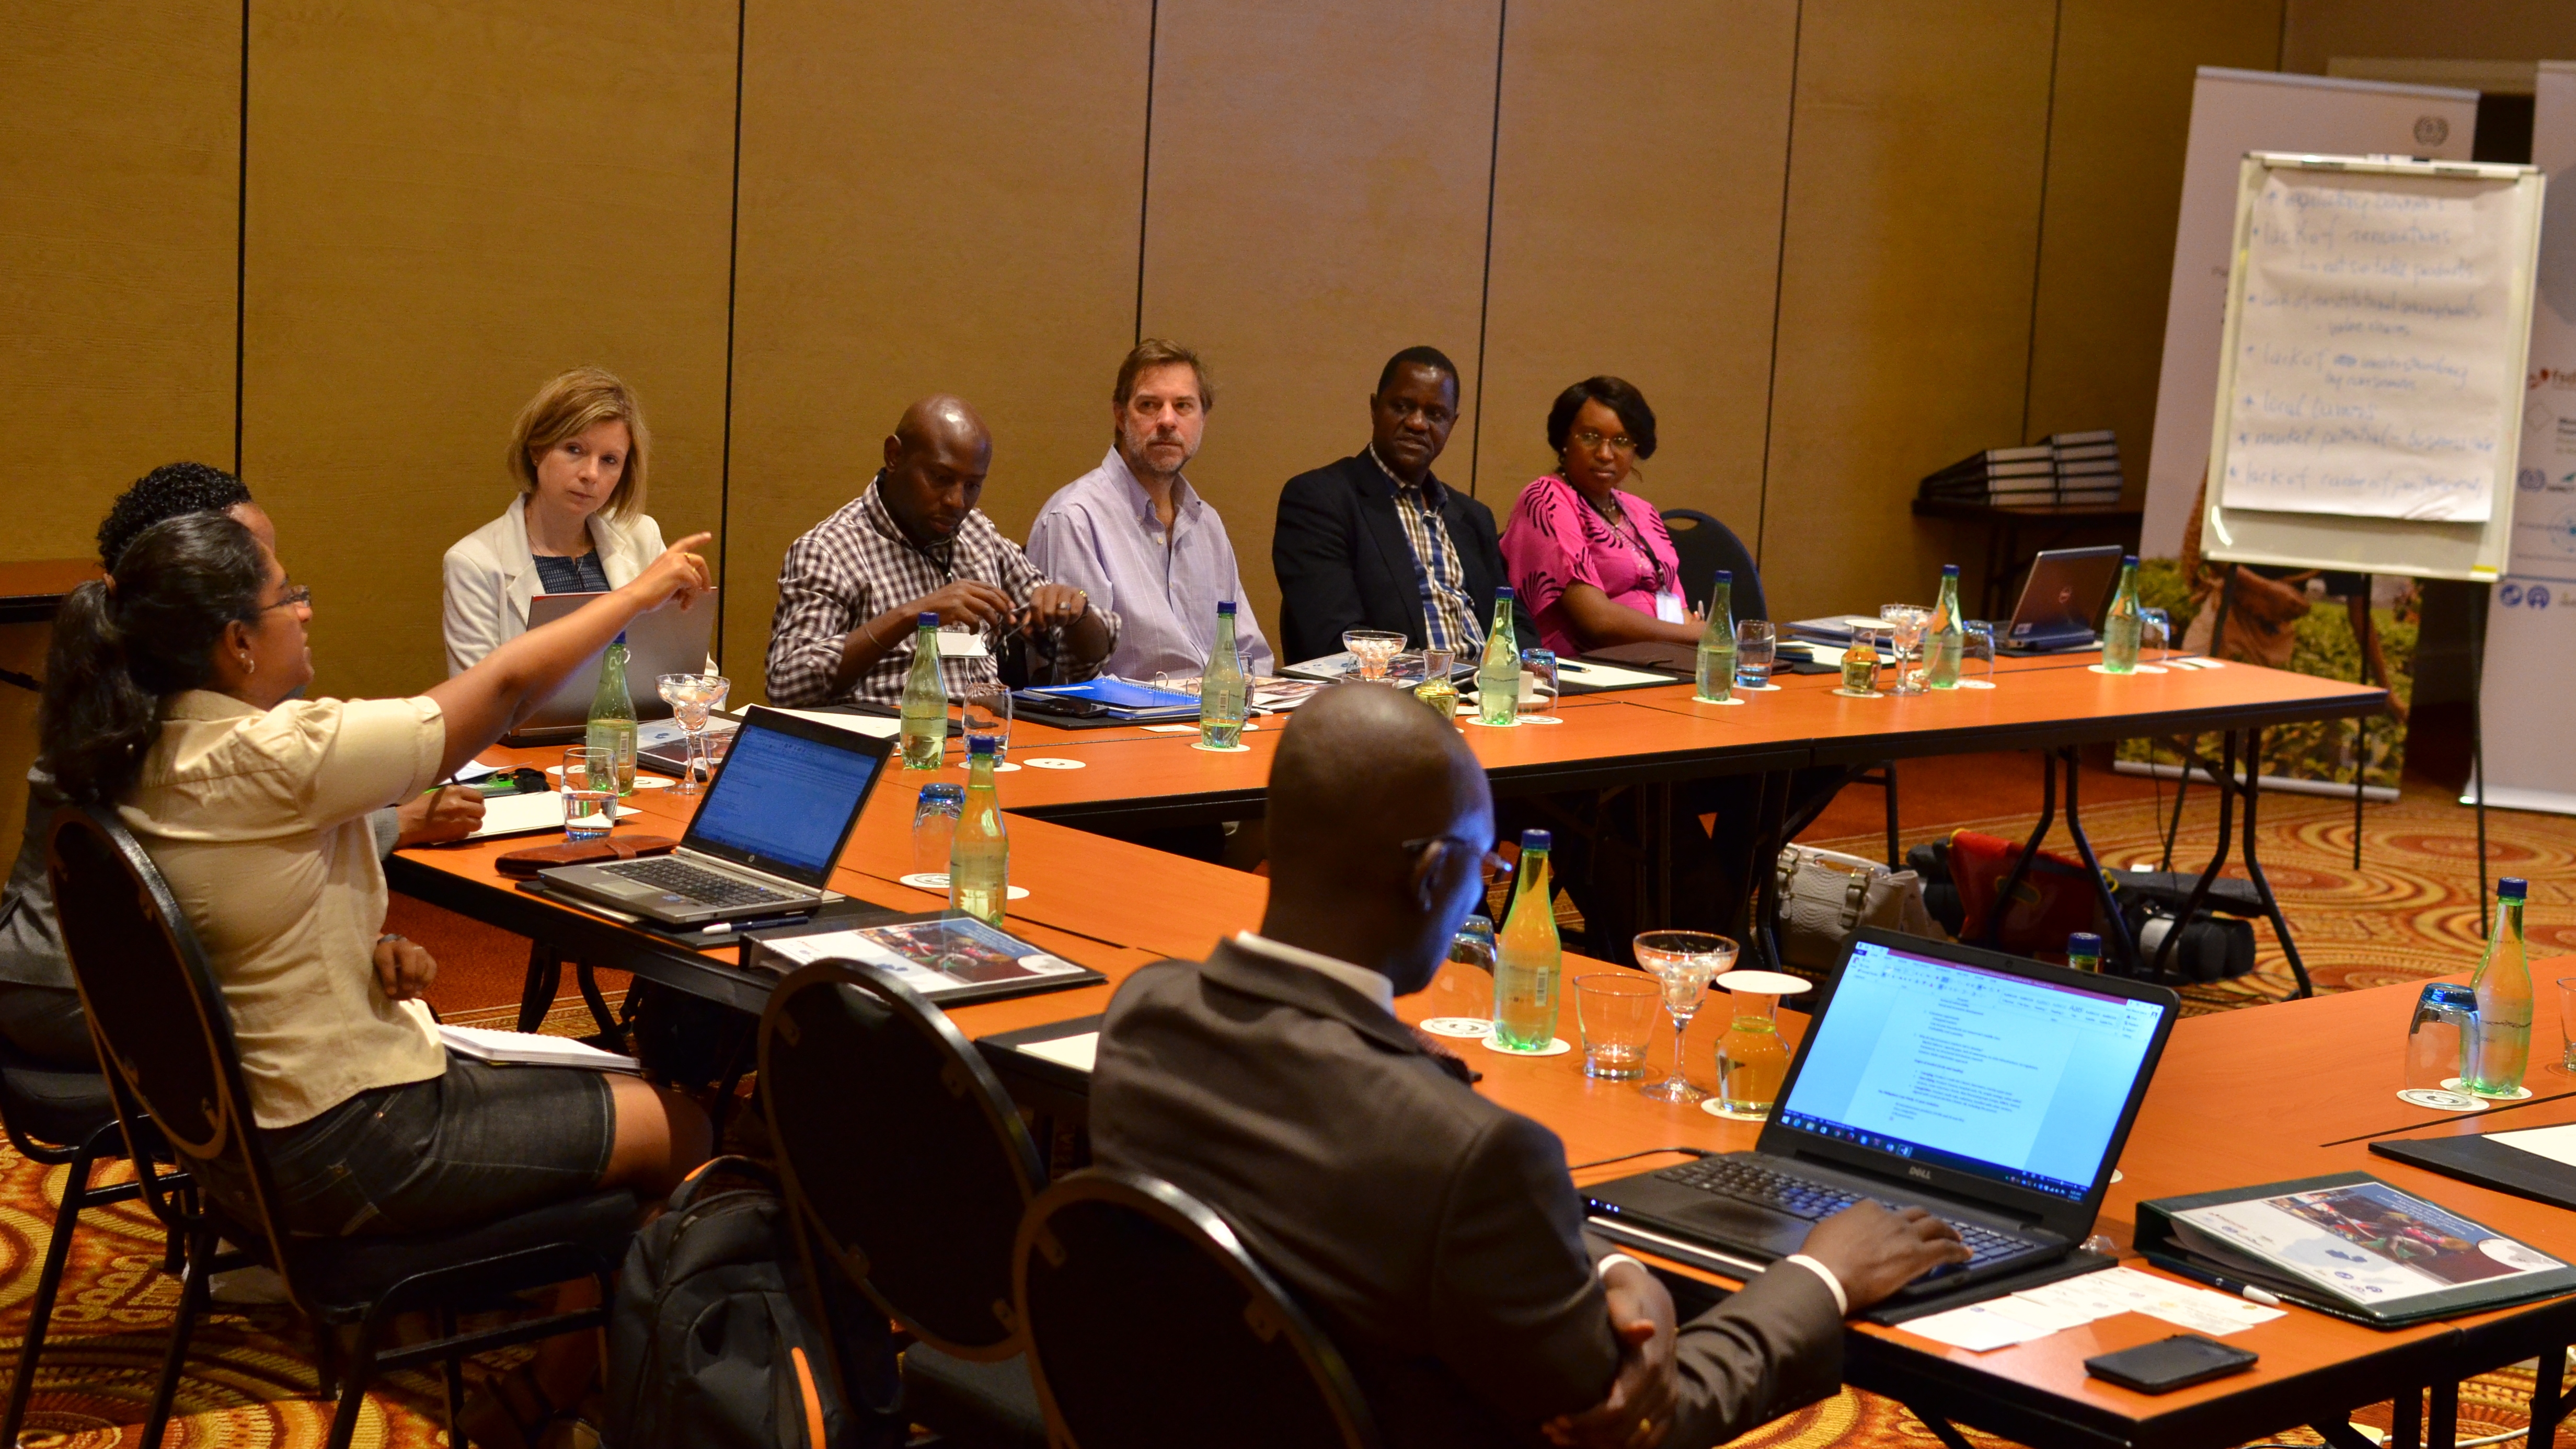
1436	1236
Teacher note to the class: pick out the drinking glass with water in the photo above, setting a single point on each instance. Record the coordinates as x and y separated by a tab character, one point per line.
1757	644
934	825
589	780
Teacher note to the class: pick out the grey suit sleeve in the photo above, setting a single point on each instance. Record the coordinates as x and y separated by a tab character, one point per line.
1775	1346
387	823
1516	1309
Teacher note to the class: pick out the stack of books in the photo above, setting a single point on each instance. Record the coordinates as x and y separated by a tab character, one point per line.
2063	470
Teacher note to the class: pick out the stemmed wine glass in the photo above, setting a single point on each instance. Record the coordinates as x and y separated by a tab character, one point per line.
693	697
1685	962
1907	621
1373	648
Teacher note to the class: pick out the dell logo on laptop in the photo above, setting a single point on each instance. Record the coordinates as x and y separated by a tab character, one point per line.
1924	1173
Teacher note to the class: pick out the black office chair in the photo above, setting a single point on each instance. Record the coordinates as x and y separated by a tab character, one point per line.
1216	1353
910	1168
1705	546
157	1016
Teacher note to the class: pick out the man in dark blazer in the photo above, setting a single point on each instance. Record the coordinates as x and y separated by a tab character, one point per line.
1376	541
1435	1236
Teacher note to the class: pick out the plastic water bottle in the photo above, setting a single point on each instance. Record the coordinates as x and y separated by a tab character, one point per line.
2493	1064
612	715
1944	641
925	701
1498	673
1528	957
1221	687
1717	642
979	855
2084	951
2122	627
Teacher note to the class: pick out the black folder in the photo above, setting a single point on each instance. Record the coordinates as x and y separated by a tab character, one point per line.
2488	1164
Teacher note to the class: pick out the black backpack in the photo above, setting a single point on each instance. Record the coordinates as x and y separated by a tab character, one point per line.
713	1342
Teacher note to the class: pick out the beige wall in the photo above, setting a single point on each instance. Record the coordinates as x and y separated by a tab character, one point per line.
1838	244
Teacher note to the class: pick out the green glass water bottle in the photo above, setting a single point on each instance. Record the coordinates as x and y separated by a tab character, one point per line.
1528	957
612	715
1944	640
1717	642
979	854
925	701
2499	1052
1221	687
2122	627
1498	673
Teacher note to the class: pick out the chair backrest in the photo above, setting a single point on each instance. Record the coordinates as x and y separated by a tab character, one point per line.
1213	1352
901	1151
1704	546
157	1018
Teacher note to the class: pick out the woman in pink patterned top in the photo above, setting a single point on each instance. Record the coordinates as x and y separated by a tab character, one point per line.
1593	563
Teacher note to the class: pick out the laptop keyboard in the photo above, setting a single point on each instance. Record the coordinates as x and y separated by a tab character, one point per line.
1749	1182
698	884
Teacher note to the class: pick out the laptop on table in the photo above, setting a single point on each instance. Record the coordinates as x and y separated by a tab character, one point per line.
765	837
666	639
1992	1090
2065	594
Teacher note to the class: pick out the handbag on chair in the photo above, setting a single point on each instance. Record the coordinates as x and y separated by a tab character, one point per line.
1825	895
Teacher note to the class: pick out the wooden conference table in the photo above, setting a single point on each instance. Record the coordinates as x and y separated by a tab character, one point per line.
2252	1096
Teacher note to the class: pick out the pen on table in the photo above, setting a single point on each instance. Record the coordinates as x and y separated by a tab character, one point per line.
2238	1286
761	923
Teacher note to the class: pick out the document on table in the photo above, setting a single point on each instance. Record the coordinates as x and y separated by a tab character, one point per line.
522	814
2558	1144
1077	1052
857	724
1606	676
2073	1302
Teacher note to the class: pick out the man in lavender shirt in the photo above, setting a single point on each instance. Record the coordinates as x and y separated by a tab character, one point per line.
1138	537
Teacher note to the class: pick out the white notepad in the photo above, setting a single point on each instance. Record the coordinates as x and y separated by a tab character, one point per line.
1078	1052
528	1049
522	814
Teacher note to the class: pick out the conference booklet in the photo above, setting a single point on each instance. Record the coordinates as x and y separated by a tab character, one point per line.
950	959
2351	1246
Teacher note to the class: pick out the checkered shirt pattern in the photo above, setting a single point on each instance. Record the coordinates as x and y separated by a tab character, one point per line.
1448	615
857	564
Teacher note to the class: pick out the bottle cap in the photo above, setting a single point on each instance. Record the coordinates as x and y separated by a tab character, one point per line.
2084	943
981	744
1537	840
1225	606
1949	571
1726	577
2512	888
1502	593
620	639
2128	560
929	620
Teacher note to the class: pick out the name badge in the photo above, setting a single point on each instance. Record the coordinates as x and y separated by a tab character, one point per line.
958	644
1669	607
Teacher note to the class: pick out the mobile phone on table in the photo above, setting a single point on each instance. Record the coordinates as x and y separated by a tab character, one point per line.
2170	1363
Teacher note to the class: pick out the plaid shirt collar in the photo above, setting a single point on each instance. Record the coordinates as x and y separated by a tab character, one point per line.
872	507
1430	492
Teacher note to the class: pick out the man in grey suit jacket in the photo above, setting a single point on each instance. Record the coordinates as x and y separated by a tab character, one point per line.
1436	1236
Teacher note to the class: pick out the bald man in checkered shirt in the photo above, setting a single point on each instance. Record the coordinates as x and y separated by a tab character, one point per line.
853	588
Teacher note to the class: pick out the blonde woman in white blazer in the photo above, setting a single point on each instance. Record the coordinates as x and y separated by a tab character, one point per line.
578	454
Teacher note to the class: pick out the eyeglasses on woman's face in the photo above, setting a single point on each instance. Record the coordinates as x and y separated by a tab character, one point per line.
296	596
1590	441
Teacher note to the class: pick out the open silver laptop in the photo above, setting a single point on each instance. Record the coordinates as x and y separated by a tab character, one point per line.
665	640
766	836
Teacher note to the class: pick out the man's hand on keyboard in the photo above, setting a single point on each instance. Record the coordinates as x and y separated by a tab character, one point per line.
1874	1251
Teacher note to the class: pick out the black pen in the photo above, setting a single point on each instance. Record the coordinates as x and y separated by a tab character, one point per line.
760	923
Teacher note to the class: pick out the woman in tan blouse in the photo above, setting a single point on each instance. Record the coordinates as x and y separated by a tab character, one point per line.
171	693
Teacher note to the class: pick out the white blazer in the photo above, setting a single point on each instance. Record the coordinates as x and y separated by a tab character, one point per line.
491	577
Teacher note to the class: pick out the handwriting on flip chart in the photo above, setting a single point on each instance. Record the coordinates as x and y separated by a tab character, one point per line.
2370	369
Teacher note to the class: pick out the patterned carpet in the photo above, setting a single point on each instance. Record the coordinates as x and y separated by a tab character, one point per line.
2410	911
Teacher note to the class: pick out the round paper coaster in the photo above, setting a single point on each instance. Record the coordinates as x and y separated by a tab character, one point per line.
2441	1101
1000	767
1052	764
1556	1047
1860	694
2452	1084
1704	699
1220	749
1976	684
1540	718
937	880
1459	1026
1716	1107
1757	689
2141	669
1479	722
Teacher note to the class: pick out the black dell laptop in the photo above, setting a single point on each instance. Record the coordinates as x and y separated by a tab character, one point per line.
1992	1090
2061	601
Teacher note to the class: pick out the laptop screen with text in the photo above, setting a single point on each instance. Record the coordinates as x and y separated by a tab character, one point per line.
783	800
2022	1082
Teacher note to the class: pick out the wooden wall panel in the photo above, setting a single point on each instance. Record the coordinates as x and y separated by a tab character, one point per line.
2115	156
1317	203
2319	30
1637	232
1906	283
447	205
119	156
935	200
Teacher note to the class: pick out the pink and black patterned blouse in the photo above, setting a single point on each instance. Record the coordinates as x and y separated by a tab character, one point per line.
1555	539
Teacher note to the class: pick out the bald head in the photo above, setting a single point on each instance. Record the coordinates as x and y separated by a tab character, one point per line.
1361	769
935	462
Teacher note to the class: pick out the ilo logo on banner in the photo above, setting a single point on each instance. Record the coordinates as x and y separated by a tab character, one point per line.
2515	596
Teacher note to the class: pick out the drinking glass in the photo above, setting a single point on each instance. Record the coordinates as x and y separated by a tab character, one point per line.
1685	962
2446	1017
1976	655
694	697
1372	648
1752	1061
1408	668
1861	659
1906	623
2567	1023
1757	643
1617	1013
1538	682
934	825
986	710
1437	692
1474	944
589	792
2155	640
